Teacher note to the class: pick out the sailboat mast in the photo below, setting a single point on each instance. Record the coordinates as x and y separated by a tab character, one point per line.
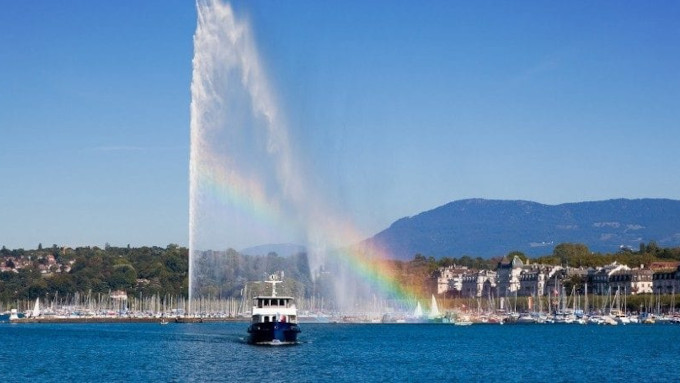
585	303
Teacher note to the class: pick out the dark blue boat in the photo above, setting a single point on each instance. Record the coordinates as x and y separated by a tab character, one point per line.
274	320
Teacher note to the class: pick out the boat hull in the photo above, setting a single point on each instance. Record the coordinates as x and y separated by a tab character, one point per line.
273	333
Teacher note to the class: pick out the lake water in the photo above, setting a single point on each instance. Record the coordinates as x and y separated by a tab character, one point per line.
217	352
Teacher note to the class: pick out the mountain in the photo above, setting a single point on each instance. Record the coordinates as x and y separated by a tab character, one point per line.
487	228
281	249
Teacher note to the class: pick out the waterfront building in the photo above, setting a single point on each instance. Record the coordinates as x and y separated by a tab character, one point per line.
663	266
666	281
518	278
450	279
508	276
632	281
478	284
532	282
598	279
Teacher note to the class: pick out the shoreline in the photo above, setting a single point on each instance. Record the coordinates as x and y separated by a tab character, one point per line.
125	320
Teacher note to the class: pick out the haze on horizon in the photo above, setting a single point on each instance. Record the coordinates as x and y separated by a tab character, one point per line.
394	110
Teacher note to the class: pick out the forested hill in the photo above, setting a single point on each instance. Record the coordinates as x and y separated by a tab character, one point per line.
487	228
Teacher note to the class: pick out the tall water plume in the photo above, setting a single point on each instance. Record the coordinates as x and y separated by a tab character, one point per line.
247	183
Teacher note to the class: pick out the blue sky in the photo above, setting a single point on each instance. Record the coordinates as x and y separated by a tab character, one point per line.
399	107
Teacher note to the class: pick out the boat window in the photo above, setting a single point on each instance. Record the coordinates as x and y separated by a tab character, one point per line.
266	319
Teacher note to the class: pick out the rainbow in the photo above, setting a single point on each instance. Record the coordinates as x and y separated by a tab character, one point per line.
375	268
372	263
233	189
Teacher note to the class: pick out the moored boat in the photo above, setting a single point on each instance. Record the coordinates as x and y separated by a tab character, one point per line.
9	316
526	318
621	318
274	319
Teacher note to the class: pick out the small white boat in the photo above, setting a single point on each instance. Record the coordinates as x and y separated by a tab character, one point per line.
462	323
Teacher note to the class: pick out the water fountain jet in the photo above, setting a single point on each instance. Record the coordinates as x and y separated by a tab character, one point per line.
247	184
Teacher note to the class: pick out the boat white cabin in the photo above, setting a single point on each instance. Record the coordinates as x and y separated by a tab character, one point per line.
274	309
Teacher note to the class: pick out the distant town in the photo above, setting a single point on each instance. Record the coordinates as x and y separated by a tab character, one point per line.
516	278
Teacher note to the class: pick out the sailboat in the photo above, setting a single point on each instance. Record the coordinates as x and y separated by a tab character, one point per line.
616	313
418	312
417	316
36	309
435	315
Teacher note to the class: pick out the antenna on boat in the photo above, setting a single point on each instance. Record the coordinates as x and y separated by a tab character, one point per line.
273	279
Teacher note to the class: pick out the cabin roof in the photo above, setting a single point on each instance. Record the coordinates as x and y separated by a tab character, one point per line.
271	297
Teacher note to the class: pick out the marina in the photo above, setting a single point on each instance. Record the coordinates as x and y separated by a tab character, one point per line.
280	310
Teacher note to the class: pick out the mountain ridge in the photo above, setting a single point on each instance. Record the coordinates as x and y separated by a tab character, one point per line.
281	249
490	227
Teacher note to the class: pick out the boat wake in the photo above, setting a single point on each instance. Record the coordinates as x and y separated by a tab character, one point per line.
275	342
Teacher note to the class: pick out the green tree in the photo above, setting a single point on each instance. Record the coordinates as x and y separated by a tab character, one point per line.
62	285
574	254
37	288
123	277
652	248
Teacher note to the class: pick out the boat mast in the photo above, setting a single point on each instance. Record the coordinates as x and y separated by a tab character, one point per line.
672	300
273	282
585	304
